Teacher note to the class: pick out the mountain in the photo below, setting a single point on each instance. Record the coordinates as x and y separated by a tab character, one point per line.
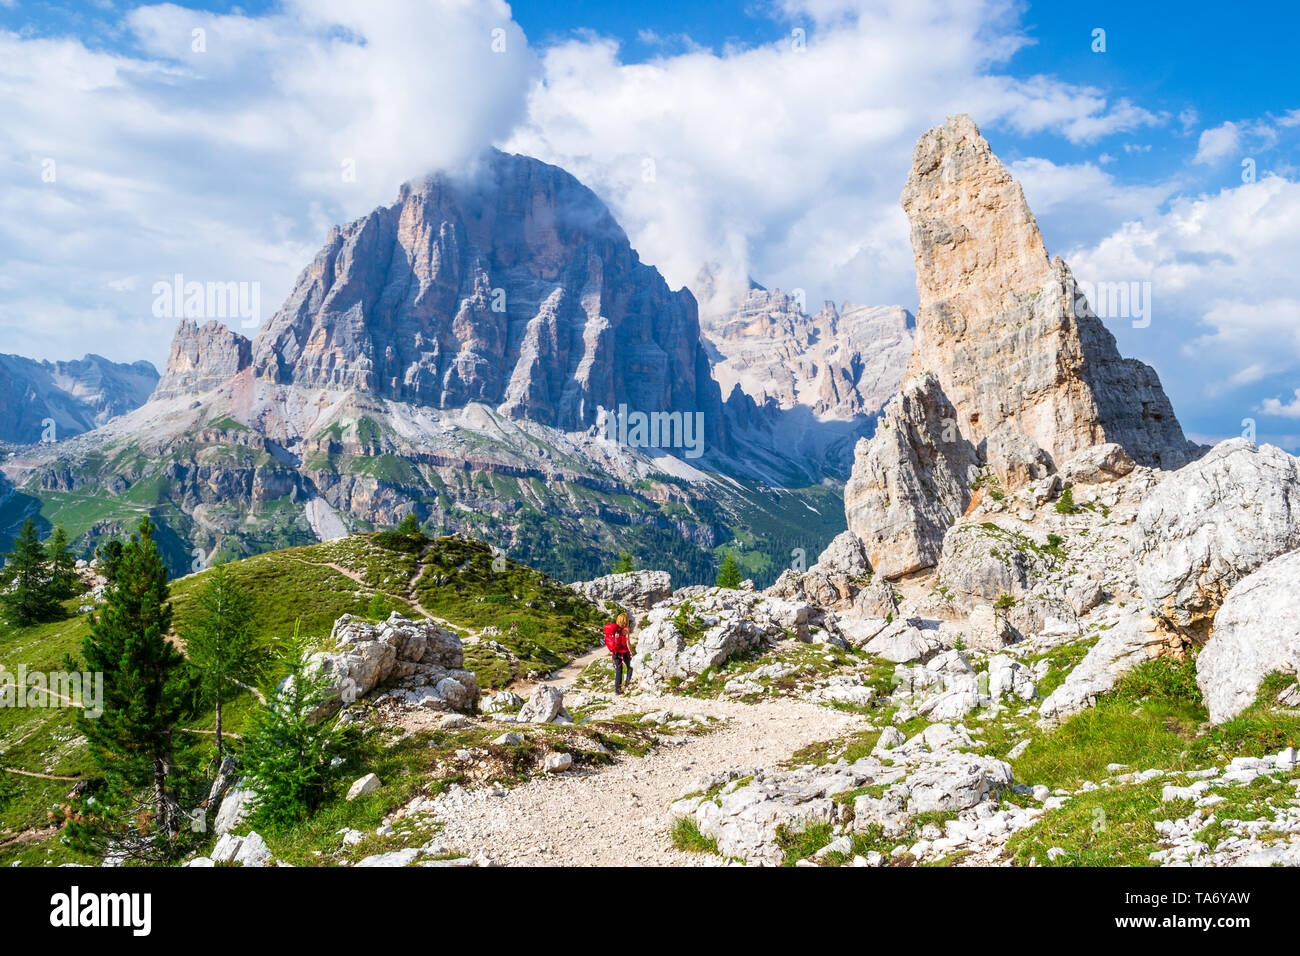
1005	329
483	352
51	400
1011	369
842	364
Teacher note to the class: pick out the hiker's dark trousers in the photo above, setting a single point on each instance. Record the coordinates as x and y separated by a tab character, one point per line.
621	661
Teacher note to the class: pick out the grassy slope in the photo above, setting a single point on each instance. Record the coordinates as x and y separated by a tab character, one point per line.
454	580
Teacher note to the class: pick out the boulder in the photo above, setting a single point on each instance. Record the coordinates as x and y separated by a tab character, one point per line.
1134	638
1016	459
1010	678
250	850
235	809
983	562
557	763
1211	523
957	784
1096	465
704	627
363	786
422	663
1256	632
544	705
903	642
503	702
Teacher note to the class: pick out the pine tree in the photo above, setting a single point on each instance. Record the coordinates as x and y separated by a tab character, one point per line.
110	555
729	573
287	752
410	526
63	565
624	564
219	642
28	597
132	742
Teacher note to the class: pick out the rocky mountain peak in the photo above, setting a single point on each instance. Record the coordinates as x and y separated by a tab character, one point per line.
840	363
41	401
1016	371
202	357
513	286
1015	346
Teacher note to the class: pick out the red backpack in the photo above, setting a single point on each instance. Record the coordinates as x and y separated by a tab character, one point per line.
616	639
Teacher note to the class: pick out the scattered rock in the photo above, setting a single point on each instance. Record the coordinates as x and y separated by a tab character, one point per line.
363	786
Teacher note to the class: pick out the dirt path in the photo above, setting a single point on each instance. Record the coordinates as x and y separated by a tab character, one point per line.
565	675
618	815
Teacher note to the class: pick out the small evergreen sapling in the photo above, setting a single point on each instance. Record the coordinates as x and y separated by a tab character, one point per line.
219	641
729	573
288	753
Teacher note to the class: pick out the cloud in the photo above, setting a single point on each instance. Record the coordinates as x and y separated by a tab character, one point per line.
1274	406
224	146
1222	271
784	160
1217	143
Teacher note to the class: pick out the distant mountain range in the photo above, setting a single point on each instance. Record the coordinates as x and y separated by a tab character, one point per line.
458	354
46	401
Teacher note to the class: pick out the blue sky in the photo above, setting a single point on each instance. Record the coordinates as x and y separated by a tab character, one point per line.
715	141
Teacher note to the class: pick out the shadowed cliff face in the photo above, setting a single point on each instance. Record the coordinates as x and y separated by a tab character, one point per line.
515	288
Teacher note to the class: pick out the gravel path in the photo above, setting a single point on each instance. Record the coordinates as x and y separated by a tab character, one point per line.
618	815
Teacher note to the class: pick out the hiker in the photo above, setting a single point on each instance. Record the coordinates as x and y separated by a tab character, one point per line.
616	640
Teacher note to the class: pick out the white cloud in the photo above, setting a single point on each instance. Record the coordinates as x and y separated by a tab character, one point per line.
1274	406
786	163
226	163
1222	269
1217	143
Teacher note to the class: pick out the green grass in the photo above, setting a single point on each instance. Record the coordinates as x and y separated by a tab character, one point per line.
687	836
454	576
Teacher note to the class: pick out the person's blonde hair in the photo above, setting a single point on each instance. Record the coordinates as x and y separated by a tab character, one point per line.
621	620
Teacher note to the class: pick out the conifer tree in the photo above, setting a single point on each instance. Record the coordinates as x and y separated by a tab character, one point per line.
132	740
27	594
729	573
219	642
63	565
288	751
624	564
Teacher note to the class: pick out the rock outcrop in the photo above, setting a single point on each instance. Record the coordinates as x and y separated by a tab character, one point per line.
633	591
910	481
1010	369
841	580
202	358
421	663
703	627
1256	632
1003	327
48	401
1133	639
1208	525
